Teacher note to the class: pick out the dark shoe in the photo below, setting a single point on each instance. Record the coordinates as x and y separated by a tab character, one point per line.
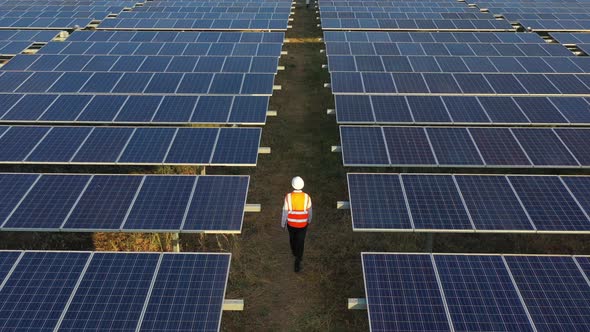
297	265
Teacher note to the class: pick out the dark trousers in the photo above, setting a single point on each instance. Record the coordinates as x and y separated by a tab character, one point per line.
297	240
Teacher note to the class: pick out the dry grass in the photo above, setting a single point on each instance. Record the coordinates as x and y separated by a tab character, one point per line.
276	299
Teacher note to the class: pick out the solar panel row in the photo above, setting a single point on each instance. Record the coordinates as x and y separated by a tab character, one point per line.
469	203
456	64
461	110
282	14
551	15
459	83
15	41
163	48
177	36
135	109
465	147
407	16
142	63
446	49
432	37
122	203
470	292
137	82
73	291
128	145
191	24
415	24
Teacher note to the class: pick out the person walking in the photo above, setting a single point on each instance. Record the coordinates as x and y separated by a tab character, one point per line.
296	217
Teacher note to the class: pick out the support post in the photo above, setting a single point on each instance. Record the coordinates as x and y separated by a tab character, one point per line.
176	242
429	242
204	170
357	304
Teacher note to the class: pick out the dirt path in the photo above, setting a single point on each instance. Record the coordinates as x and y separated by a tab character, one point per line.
277	299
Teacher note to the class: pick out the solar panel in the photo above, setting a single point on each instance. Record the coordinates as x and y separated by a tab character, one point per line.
435	203
7	261
378	202
150	146
197	283
475	292
499	147
549	203
38	289
74	291
556	283
480	294
403	293
93	306
113	203
493	203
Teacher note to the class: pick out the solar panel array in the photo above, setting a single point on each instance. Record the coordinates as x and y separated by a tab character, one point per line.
540	15
57	14
437	15
153	77
465	147
469	203
204	15
13	42
129	145
470	292
67	291
122	203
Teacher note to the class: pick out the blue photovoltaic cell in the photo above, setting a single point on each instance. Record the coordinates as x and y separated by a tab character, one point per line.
196	283
112	292
480	294
161	203
175	109
66	108
465	109
391	109
104	204
549	204
205	212
148	145
246	109
138	109
498	147
103	145
554	290
584	263
7	260
237	146
435	202
492	204
192	146
544	147
354	109
102	108
408	146
363	146
503	110
377	202
428	109
403	294
453	146
36	293
12	188
50	201
59	145
17	142
579	186
29	107
577	142
212	109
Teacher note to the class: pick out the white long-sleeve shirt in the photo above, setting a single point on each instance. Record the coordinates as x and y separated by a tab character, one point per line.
286	211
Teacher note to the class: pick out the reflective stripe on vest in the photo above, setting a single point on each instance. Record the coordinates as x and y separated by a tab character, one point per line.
297	203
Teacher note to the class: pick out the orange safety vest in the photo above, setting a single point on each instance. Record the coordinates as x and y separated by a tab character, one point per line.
298	204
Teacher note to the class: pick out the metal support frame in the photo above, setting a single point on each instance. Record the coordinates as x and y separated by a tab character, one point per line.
429	242
176	242
357	304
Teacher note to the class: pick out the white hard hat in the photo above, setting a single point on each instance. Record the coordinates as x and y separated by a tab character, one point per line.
297	183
